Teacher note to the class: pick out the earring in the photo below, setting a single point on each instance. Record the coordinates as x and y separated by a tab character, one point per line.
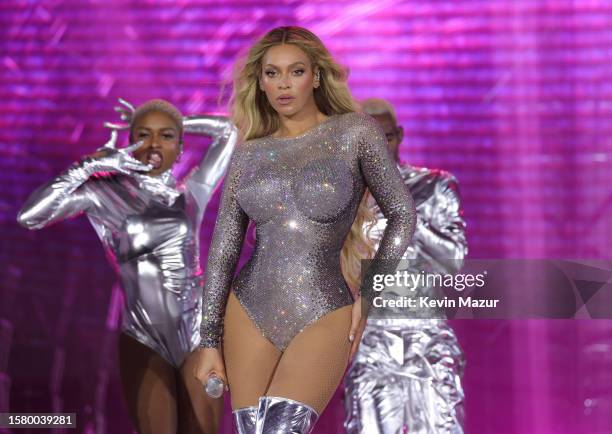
317	79
180	153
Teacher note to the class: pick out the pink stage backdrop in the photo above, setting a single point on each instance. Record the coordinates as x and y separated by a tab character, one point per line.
513	97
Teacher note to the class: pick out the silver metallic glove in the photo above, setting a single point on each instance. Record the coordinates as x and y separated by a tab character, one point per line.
60	198
115	160
126	112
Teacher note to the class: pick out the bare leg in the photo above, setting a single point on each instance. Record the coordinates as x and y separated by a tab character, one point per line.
250	359
308	372
312	367
149	387
197	412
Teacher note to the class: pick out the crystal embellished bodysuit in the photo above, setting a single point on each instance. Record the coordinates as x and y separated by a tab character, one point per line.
150	232
302	194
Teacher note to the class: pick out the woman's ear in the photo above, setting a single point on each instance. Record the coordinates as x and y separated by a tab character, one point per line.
317	77
400	133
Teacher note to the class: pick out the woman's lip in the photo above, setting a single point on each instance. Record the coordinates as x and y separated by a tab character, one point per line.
284	100
155	159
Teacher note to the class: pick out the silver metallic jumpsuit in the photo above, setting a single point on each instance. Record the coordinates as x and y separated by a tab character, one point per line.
149	227
406	375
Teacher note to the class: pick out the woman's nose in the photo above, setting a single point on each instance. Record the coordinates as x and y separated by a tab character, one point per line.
155	142
284	83
148	143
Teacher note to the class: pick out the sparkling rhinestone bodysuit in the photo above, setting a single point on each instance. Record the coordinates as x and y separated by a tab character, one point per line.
302	193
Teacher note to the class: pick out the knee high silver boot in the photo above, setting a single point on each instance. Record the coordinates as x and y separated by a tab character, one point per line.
284	416
245	419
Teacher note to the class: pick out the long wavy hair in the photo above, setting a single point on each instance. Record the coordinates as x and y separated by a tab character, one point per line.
255	117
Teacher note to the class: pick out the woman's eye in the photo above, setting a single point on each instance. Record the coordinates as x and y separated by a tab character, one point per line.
270	73
142	135
298	72
168	136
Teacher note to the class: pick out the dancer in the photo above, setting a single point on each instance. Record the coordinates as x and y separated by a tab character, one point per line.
406	376
290	322
150	230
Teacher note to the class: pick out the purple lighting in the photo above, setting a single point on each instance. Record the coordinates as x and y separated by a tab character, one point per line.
512	97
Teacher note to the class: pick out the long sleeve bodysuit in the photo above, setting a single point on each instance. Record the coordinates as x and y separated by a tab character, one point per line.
149	227
302	194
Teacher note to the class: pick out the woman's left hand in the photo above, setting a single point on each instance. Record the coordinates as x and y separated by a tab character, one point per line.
358	324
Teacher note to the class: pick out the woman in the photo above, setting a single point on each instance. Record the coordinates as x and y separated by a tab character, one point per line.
150	230
300	176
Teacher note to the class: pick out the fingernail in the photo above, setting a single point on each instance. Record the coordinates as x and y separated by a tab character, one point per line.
351	338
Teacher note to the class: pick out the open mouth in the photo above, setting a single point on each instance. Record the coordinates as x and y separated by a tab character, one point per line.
155	159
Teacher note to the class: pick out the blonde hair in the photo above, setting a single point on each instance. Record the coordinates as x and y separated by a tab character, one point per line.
379	106
255	117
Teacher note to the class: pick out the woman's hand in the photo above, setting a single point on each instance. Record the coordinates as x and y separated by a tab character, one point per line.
104	149
126	112
110	159
209	363
358	324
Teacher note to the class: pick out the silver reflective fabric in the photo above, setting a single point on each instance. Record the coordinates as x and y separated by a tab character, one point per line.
406	375
245	419
284	416
149	227
303	194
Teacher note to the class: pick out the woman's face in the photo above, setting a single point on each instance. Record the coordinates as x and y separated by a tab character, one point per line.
287	78
160	137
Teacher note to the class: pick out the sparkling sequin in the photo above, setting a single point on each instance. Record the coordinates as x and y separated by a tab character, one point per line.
303	203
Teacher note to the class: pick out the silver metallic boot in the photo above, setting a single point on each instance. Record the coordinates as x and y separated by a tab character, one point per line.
284	416
245	419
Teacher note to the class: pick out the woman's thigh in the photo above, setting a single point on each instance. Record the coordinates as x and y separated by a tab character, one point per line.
314	363
149	387
198	413
250	358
